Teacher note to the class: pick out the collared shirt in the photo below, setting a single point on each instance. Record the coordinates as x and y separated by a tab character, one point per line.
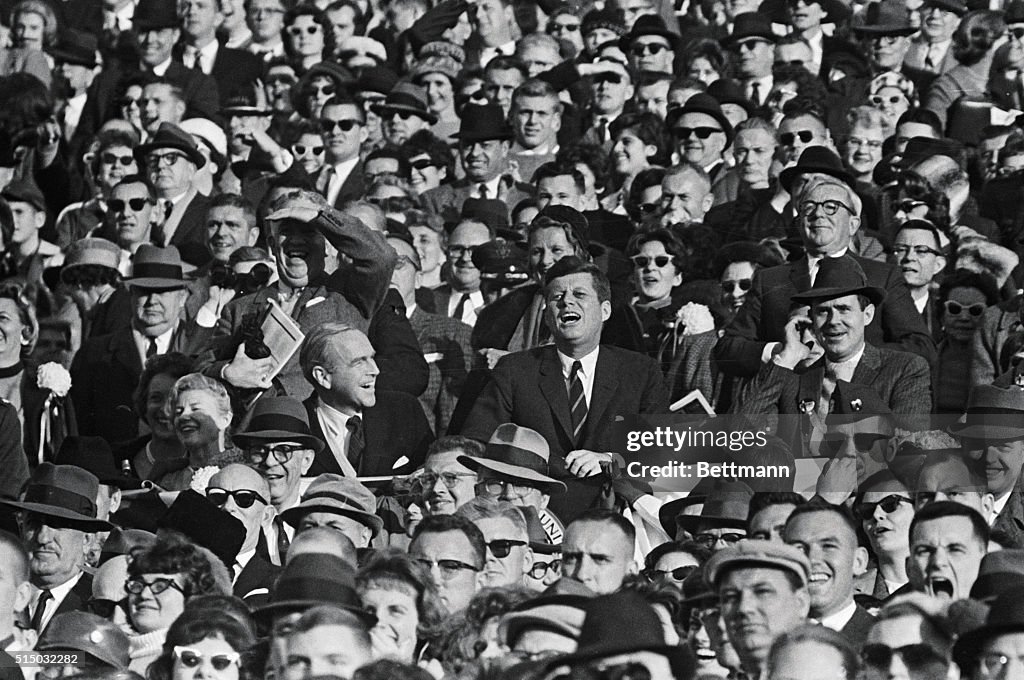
817	48
270	536
476	301
537	151
842	617
920	296
339	177
813	260
161	68
201	58
843	370
936	53
492	188
267	51
59	593
998	504
764	86
588	366
488	53
409	309
241	561
120	19
163	342
73	113
337	434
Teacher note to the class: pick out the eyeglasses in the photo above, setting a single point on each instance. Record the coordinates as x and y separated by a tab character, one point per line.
135	586
677	574
345	124
301	149
614	78
457	252
282	453
955	308
789	138
111	159
883	39
860	143
889	504
684	133
994	664
540	569
916	657
919	251
244	498
808	208
502	547
449	479
644	49
105	608
625	671
908	205
316	90
641	261
296	31
167	160
449	568
190	658
742	284
422	164
709	540
117	206
559	28
389	114
495	487
878	100
128	101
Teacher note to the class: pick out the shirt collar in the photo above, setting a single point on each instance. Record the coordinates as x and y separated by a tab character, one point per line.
840	618
854	360
588	363
61	591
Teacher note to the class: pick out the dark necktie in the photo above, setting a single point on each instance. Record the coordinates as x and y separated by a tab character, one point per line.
356	440
151	349
460	308
483	192
755	92
602	129
37	616
577	401
282	538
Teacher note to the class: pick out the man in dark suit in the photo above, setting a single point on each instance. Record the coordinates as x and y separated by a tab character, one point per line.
367	431
343	128
918	252
58	520
947	543
827	534
234	70
485	140
572	391
828	217
341	503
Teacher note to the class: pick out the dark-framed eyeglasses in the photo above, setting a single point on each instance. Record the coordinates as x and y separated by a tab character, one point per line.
677	574
127	101
641	261
423	164
908	205
919	251
191	658
889	505
956	309
556	27
388	114
302	149
458	252
135	586
449	479
540	569
118	206
113	159
789	138
502	547
917	657
830	207
327	125
683	133
282	453
708	540
244	498
495	487
742	284
449	568
167	160
644	49
613	78
878	100
316	90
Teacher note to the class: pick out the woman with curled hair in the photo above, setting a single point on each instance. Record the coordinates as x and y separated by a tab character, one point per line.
161	579
657	258
308	36
205	644
33	28
963	298
869	128
638	143
200	409
705	60
403	596
151	454
893	94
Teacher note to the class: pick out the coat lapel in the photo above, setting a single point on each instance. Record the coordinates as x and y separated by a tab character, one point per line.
122	348
552	385
867	367
606	384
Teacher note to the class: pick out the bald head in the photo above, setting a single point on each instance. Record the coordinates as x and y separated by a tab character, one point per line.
244	494
323	540
238	476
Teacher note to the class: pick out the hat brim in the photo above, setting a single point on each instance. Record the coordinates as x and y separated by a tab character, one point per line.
72	58
885	30
986	432
381	109
503	135
953	7
789	175
156	283
668	512
245	111
85	522
969	644
691	522
673	116
546	484
293	516
272	608
875	295
192	153
730	40
672	38
279	435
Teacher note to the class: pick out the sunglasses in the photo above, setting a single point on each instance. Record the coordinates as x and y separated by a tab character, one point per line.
282	453
558	28
540	569
422	164
614	78
641	261
684	133
789	138
916	657
315	90
709	540
404	115
878	100
117	206
345	124
449	568
105	608
296	31
301	149
167	160
128	101
502	547
190	658
955	308
282	80
135	586
111	159
742	284
244	498
647	49
677	574
889	504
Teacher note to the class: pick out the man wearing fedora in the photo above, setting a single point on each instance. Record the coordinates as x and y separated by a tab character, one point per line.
341	503
722	520
106	370
930	49
947	475
702	133
752	41
484	143
651	45
404	113
992	650
92	272
754	335
58	516
75	60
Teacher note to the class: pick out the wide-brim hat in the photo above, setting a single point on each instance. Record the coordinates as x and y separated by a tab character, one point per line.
1006	615
819	160
95	455
338	495
205	524
157	268
750	25
279	419
76	47
999	572
668	512
704	103
66	492
728	91
92	252
313	579
838	277
1014	12
956	6
170	136
887	17
561	613
244	104
520	453
483	122
921	148
649	24
993	414
406	98
726	505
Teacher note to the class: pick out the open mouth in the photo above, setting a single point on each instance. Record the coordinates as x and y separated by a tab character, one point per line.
940	586
569	318
705	655
368	385
820	577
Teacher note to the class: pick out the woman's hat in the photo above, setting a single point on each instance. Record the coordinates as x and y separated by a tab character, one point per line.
66	492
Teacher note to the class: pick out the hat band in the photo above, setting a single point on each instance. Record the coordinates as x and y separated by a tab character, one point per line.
513	455
334	496
157	270
405	101
278	421
56	496
315	589
993	411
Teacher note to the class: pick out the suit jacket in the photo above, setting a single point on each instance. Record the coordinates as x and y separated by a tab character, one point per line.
352	189
399	357
12	456
447	199
235	71
448	351
105	373
997	325
1009	525
188	220
856	629
527	388
762	319
394	427
75	600
255	581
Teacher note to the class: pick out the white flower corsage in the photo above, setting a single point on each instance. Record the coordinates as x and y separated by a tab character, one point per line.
201	478
694	318
54	377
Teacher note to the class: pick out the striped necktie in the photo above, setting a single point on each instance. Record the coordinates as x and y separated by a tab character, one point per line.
577	401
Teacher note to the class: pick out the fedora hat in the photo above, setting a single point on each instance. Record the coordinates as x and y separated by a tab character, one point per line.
817	160
835	11
66	492
886	17
170	136
563	614
95	455
377	79
758	553
205	524
838	277
999	571
540	541
244	104
313	579
279	419
154	14
704	103
156	268
957	7
993	414
920	148
76	47
490	211
649	24
727	504
339	495
406	97
668	512
750	25
92	252
84	632
520	453
1006	615
728	91
482	122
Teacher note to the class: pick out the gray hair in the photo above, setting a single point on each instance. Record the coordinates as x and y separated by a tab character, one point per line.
197	382
815	180
482	507
319	348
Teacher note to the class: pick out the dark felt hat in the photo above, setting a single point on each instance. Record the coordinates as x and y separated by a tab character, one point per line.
406	98
76	47
993	414
66	492
76	631
156	268
554	215
170	136
607	18
1006	615
955	6
702	102
95	455
502	262
838	277
24	191
313	579
816	160
154	14
726	505
483	122
668	512
999	571
205	524
920	148
649	24
750	25
886	17
490	211
379	79
728	91
279	419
